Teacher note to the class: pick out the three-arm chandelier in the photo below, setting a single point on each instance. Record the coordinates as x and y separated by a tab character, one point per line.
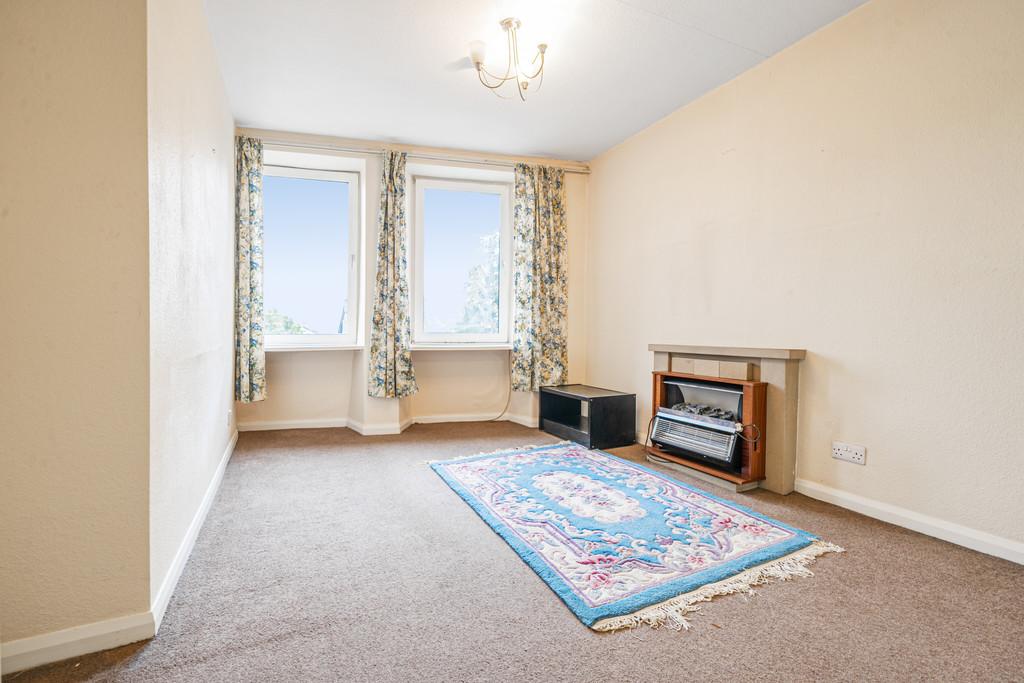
514	71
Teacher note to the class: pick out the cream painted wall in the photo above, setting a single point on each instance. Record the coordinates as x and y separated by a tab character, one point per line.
858	195
191	254
459	384
328	387
74	291
311	386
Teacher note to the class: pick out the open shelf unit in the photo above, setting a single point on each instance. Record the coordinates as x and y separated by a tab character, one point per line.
594	417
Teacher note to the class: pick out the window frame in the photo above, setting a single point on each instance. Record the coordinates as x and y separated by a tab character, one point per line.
349	339
426	340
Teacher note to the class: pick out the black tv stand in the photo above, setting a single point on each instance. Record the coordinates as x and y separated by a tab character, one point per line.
590	416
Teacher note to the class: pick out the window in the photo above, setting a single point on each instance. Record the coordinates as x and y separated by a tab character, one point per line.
462	261
310	242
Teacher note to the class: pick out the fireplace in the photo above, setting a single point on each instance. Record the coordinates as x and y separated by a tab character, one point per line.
700	420
715	425
779	370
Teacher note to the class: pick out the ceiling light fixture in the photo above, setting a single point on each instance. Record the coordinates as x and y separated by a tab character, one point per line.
514	71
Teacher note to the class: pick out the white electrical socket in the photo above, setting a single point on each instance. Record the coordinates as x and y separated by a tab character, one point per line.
849	452
229	417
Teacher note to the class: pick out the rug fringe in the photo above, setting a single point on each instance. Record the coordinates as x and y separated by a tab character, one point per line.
673	612
500	450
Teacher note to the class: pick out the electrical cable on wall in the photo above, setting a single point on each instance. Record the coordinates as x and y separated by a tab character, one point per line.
647	440
508	399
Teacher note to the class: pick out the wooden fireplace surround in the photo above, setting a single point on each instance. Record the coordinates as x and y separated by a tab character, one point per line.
754	412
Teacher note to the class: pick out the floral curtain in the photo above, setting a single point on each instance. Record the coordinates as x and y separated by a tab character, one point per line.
250	378
390	373
539	278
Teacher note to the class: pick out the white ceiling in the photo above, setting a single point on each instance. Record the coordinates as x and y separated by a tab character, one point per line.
396	70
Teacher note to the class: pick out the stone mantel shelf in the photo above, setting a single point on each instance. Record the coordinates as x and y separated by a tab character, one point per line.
734	351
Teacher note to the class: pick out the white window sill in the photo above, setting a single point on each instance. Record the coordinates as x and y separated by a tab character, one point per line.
462	346
453	346
278	348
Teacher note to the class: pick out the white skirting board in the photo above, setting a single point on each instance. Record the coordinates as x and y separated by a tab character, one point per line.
26	653
163	596
384	428
915	521
78	640
270	425
981	541
524	420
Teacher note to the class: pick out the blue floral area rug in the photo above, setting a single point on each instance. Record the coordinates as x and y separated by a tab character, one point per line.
621	544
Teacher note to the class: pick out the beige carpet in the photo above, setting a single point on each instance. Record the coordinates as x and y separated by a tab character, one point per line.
333	557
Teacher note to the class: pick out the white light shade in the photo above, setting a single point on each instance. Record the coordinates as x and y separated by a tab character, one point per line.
477	52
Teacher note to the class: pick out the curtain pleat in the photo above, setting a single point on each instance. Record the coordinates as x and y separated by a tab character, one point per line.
540	281
390	372
250	363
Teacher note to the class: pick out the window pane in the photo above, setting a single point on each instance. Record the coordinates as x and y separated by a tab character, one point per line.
305	255
461	262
